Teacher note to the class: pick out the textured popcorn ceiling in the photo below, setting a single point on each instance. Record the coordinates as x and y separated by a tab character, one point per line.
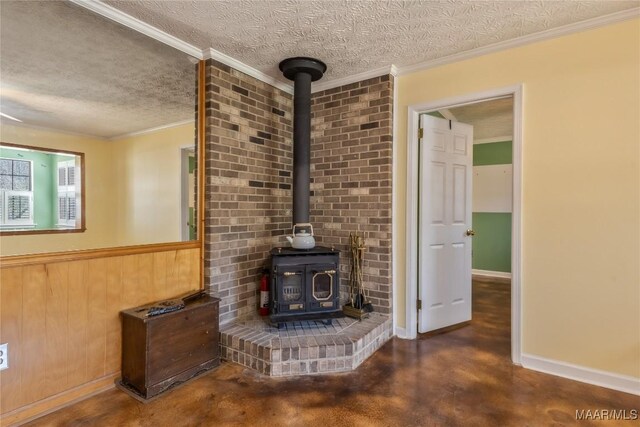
490	119
356	36
63	67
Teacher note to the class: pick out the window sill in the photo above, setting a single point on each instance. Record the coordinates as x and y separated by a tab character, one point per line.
17	226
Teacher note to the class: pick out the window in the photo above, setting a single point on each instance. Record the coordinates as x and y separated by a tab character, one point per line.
16	193
41	190
67	193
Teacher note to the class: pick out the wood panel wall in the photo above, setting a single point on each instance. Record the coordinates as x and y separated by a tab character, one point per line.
61	319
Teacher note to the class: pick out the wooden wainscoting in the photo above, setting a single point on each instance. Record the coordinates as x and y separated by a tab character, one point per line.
60	316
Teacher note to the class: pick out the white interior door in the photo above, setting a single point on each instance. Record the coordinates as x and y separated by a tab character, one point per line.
444	253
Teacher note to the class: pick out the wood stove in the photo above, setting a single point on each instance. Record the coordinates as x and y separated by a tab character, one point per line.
305	284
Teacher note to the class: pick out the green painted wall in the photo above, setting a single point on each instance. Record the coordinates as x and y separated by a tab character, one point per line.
492	242
44	170
494	153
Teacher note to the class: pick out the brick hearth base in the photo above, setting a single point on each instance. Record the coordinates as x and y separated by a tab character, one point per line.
303	348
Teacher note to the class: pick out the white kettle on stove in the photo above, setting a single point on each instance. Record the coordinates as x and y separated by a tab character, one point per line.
302	239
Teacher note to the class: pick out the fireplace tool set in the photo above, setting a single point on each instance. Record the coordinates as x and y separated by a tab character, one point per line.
358	306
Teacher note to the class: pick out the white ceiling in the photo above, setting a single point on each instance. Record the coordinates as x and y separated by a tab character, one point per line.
490	119
63	67
357	36
67	68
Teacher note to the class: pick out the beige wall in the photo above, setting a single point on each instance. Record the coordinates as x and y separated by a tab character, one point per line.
132	189
581	196
147	180
98	193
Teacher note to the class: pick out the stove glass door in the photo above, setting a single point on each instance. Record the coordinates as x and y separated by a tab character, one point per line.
291	292
322	286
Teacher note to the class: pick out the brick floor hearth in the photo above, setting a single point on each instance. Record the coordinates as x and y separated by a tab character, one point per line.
304	347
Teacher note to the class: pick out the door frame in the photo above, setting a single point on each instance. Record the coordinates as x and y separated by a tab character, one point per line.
185	151
411	261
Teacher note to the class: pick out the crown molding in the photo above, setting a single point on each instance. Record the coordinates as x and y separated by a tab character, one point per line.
330	84
157	34
142	27
244	68
52	129
589	24
151	130
153	32
96	137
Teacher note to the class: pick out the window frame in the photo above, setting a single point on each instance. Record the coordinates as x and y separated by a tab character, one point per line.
5	223
79	228
65	192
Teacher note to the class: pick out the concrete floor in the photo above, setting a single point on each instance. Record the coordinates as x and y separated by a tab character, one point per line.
463	377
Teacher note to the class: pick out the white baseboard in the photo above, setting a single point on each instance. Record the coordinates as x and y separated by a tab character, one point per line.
583	374
488	273
400	332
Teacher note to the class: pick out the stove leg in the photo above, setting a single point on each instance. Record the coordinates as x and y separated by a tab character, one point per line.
327	322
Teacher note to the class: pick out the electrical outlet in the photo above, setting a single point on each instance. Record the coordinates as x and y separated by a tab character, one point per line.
4	356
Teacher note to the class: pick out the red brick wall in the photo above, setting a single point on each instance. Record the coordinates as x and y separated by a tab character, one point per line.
248	164
351	177
247	182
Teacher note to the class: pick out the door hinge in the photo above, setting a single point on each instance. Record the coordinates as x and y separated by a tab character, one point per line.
420	133
419	304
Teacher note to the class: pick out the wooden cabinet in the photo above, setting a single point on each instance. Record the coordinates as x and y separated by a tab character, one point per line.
163	350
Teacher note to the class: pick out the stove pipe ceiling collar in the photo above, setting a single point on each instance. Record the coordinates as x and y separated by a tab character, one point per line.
302	71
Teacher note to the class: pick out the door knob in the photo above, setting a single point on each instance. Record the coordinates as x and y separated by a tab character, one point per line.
470	232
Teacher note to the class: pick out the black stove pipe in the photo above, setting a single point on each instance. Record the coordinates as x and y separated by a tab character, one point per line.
301	147
302	71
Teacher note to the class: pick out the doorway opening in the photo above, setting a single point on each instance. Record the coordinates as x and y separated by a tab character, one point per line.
496	119
187	193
